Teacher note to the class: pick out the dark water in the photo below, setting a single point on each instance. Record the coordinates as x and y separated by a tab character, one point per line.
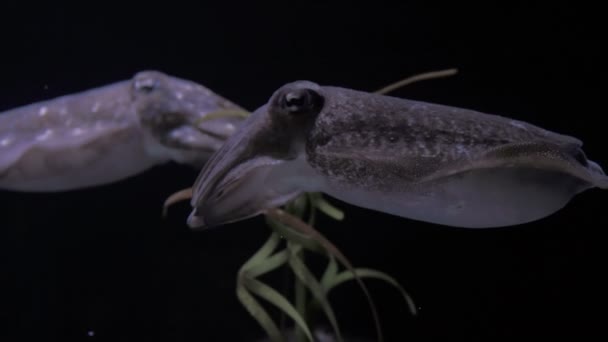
101	265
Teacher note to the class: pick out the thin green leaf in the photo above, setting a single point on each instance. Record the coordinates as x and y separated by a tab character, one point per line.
308	279
275	298
295	236
300	301
416	78
294	222
312	218
330	271
258	312
298	206
310	199
264	252
327	208
330	282
271	263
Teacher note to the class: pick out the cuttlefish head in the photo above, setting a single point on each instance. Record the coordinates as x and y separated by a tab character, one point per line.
263	164
184	120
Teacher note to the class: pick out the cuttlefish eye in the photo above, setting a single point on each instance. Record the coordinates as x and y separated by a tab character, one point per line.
299	101
146	85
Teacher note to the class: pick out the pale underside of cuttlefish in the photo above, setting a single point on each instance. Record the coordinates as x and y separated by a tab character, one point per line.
110	133
418	160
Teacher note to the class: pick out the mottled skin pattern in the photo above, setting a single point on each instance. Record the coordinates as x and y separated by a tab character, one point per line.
418	160
109	133
379	142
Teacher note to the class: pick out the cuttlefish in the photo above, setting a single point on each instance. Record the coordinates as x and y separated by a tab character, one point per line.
422	161
110	133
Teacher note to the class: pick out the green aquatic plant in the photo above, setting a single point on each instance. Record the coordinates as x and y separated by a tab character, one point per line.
301	237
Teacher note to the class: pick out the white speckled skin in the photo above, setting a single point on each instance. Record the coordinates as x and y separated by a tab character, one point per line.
109	133
422	161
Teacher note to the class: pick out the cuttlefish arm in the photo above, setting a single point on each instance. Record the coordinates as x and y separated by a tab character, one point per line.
110	133
422	161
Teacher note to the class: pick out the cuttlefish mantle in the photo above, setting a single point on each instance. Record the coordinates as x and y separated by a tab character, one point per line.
110	133
418	160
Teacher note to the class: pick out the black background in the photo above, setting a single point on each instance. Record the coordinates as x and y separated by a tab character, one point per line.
103	260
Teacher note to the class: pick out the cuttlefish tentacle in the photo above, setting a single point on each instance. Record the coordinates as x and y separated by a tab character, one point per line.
413	159
109	133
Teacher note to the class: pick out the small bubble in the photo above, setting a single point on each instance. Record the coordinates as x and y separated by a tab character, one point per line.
90	333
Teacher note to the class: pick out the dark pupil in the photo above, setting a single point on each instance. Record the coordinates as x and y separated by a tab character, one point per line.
147	88
146	85
296	101
300	101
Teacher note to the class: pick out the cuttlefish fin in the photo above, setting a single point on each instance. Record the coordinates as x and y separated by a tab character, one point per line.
567	159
